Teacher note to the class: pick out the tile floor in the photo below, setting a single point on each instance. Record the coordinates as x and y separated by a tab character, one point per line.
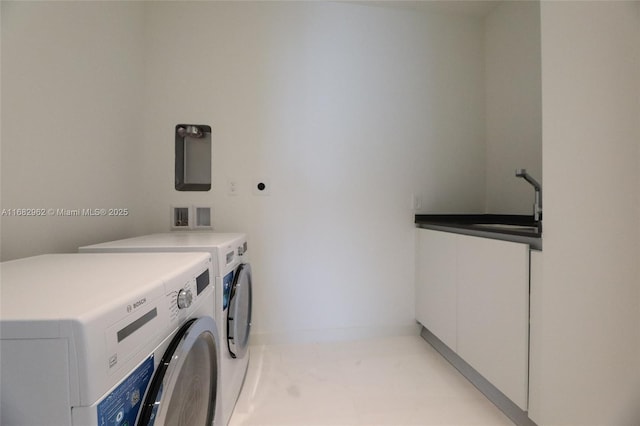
391	381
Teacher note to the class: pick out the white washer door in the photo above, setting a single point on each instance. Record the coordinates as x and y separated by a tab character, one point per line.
239	315
183	389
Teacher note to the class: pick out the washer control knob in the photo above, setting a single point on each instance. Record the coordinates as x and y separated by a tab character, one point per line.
185	297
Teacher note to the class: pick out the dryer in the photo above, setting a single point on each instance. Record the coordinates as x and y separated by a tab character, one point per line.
232	271
109	339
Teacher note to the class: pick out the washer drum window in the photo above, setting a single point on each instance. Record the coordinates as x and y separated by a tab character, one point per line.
239	318
183	390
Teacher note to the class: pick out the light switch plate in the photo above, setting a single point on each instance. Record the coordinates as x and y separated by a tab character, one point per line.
232	186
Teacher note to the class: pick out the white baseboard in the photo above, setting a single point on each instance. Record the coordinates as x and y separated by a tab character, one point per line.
333	335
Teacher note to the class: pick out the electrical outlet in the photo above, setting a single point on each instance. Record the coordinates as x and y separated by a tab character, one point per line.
416	202
232	187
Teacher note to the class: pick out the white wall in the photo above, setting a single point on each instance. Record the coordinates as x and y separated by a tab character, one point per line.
513	105
71	122
590	352
347	110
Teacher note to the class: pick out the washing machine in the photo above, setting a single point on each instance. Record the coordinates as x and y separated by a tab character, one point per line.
109	339
232	271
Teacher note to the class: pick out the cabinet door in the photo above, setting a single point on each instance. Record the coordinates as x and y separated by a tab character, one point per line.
493	312
436	284
535	338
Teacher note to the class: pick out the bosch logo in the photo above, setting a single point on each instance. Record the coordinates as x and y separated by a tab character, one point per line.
129	308
139	303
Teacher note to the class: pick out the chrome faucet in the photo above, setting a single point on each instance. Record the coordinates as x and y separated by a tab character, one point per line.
537	205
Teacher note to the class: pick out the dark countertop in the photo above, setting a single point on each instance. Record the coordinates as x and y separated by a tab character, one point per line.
518	228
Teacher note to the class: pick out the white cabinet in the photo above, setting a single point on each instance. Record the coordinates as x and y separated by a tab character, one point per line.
536	367
473	294
436	284
493	312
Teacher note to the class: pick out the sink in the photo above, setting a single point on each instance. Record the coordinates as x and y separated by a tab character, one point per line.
507	227
522	225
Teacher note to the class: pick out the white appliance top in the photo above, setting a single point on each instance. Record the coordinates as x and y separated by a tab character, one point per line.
77	286
227	249
194	240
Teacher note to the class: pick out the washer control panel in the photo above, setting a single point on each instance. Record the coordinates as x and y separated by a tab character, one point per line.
182	298
185	298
